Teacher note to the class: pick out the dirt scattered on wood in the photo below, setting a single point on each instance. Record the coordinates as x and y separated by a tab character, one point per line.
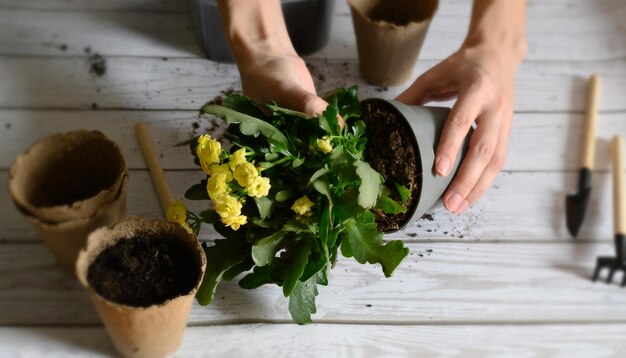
143	271
97	65
219	99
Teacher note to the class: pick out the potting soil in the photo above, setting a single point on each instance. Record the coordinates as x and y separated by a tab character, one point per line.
390	150
144	271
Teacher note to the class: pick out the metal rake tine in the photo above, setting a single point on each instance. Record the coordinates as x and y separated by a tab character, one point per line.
596	273
611	273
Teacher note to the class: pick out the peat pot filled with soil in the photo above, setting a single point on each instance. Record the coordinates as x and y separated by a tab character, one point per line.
142	276
401	146
69	185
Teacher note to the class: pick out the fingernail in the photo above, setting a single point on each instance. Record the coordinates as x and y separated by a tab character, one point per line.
454	201
443	165
464	205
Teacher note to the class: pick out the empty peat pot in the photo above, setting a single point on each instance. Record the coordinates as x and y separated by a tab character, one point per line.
389	37
402	140
68	185
142	276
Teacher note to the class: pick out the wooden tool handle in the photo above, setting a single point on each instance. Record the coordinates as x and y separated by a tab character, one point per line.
158	176
619	186
591	117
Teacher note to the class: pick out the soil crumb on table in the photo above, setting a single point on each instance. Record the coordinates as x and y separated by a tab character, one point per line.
219	99
97	65
391	151
144	271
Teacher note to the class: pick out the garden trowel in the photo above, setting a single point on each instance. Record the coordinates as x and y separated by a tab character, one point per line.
576	204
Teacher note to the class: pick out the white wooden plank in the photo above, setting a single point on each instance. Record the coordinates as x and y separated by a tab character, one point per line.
553	137
331	340
140	83
438	282
520	206
92	5
557	30
129	33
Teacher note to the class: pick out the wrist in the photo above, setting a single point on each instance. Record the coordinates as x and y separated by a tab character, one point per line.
510	46
500	27
255	28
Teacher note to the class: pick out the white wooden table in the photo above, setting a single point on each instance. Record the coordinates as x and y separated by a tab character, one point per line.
503	280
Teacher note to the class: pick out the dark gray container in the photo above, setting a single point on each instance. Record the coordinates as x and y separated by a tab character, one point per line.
308	23
426	125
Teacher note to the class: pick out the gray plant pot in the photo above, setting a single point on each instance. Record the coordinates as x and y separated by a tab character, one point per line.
426	125
308	24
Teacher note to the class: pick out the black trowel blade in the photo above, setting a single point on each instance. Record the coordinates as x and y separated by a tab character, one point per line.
575	208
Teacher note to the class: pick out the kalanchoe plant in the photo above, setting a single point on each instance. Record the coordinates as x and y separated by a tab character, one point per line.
292	192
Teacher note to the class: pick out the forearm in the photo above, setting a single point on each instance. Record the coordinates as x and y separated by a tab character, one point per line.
499	25
253	27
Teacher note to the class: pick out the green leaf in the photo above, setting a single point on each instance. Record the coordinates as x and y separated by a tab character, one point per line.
347	100
259	277
328	119
240	103
239	268
318	174
323	187
370	181
270	157
298	257
290	112
297	162
283	195
366	244
197	192
389	206
324	224
209	216
221	257
264	205
263	252
248	125
404	192
302	299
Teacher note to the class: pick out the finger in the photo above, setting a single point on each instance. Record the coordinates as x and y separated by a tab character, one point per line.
304	101
480	154
492	170
458	123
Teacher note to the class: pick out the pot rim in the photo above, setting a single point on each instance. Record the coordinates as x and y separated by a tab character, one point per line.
123	230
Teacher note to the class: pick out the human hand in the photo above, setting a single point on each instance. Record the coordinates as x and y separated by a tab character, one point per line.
283	78
483	80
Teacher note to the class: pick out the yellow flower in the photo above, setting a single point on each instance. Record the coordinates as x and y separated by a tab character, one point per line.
235	221
259	187
216	185
208	151
324	145
238	158
302	206
177	212
245	173
227	206
221	168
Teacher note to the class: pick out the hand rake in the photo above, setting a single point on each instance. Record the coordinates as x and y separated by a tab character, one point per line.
617	263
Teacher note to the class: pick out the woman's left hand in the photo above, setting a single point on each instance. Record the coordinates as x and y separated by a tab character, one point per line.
483	80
